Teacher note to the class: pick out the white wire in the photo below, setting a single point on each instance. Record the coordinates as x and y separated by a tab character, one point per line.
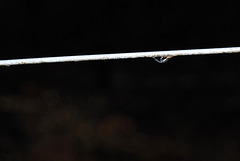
119	56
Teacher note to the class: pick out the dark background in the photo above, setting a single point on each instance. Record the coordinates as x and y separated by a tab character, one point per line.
119	110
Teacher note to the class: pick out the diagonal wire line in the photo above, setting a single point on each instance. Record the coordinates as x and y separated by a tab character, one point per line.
151	54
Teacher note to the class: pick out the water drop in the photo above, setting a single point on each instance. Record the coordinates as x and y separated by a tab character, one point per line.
162	59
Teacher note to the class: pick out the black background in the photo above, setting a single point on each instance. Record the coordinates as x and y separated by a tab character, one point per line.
185	109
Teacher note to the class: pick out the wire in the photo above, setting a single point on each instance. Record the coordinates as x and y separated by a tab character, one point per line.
151	54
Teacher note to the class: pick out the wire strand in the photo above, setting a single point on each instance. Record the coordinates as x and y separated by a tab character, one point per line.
151	54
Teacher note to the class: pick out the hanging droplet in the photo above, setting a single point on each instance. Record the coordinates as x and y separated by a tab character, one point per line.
162	59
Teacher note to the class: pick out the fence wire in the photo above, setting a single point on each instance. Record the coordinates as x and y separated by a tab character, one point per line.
152	54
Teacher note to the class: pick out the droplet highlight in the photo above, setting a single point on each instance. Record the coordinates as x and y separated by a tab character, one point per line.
162	59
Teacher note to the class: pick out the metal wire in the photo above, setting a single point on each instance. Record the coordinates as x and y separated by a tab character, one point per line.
151	54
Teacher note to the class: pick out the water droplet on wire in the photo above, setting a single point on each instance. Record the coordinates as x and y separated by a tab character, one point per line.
162	59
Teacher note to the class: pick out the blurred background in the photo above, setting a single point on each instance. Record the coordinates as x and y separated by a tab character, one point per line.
119	110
